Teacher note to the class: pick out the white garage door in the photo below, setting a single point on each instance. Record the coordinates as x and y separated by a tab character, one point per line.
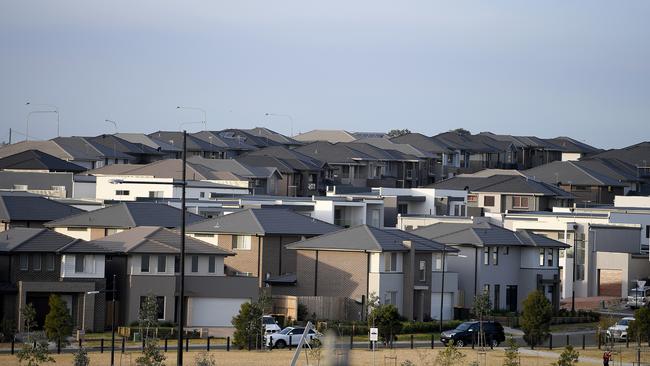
447	308
213	312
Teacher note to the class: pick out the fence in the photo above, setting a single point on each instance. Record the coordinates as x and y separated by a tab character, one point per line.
333	308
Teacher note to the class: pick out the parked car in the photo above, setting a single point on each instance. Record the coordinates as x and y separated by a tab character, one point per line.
289	336
468	331
618	331
638	297
270	324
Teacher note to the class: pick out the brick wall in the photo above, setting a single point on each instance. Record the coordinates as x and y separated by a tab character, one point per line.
339	274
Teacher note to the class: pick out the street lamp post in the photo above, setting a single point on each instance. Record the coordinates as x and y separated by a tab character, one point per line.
112	291
181	302
282	115
205	118
112	122
55	109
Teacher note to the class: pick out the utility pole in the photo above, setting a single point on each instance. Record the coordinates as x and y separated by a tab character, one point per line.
181	300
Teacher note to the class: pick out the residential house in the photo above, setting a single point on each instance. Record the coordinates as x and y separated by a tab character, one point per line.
573	149
505	191
146	261
637	156
261	179
120	217
167	147
92	155
400	268
391	168
39	262
531	151
447	161
231	145
507	265
477	152
36	160
194	145
259	137
259	236
22	209
141	153
331	136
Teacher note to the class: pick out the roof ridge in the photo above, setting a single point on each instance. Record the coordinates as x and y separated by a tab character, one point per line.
128	212
584	170
37	233
372	236
256	220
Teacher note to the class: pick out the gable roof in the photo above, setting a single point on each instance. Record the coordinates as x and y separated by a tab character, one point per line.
48	147
22	206
264	221
501	184
470	143
128	215
156	240
524	141
483	234
385	143
290	157
369	239
38	160
272	135
141	138
421	142
637	155
572	145
236	167
571	172
227	142
81	149
175	139
332	136
338	153
43	240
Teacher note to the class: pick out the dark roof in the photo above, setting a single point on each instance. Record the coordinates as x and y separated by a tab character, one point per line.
22	206
469	143
118	144
571	172
43	240
421	142
289	157
264	221
501	184
156	239
38	160
369	239
227	143
35	180
637	155
175	138
82	149
525	141
572	145
338	153
483	234
128	215
275	136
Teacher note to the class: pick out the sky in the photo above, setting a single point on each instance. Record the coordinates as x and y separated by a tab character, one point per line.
543	68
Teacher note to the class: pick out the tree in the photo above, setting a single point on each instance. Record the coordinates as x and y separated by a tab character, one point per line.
536	318
397	132
58	322
450	356
81	357
461	131
482	309
248	323
512	353
35	350
7	328
640	328
28	314
568	357
147	319
386	318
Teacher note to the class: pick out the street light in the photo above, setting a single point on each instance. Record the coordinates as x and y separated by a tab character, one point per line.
55	110
112	291
113	122
205	118
282	115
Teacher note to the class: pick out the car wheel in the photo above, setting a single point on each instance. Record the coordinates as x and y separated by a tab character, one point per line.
280	344
494	343
459	343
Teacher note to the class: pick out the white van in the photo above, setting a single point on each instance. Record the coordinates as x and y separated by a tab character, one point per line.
638	297
270	325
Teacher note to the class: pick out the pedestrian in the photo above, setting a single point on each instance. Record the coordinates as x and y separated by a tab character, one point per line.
607	356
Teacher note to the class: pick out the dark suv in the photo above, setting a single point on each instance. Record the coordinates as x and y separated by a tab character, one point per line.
468	331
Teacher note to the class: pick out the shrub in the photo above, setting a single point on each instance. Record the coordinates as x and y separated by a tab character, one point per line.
58	322
205	359
81	358
536	319
386	318
568	357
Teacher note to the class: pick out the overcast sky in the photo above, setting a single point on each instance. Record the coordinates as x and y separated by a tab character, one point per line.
545	68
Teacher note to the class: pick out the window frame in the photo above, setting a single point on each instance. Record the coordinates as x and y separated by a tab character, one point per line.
194	264
48	257
144	269
164	264
542	256
486	256
79	263
495	256
489	198
521	202
422	271
212	264
23	266
246	239
35	262
550	257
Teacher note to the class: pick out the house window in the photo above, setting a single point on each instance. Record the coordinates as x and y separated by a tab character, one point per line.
495	256
195	263
541	256
390	262
162	264
211	264
390	298
486	255
472	198
36	262
506	250
202	195
144	263
177	264
437	262
160	306
24	262
202	235
122	192
49	262
241	242
561	236
345	171
497	297
77	229
110	231
79	263
486	289
549	257
488	201
520	202
647	231
156	194
423	271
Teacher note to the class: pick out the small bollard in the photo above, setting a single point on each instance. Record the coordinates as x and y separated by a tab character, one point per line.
101	345
290	341
208	345
249	342
80	342
270	343
627	342
567	340
228	344
599	340
123	344
13	345
58	347
187	344
351	340
166	339
550	342
143	343
473	338
433	341
583	341
411	341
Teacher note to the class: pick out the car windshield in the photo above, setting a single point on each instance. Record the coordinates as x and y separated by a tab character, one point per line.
286	330
268	320
464	326
638	292
623	322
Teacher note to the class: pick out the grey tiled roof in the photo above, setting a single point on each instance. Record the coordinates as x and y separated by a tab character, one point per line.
636	155
338	153
421	142
175	139
264	221
501	184
38	160
571	172
572	145
44	241
370	239
483	234
20	206
127	215
155	239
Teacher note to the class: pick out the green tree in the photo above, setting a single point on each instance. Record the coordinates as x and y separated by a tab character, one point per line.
81	357
58	322
536	318
147	320
511	353
568	357
461	131
398	132
386	318
248	323
28	313
34	351
450	356
639	329
482	309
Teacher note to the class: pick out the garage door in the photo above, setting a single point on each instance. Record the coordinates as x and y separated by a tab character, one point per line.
610	282
447	309
212	312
